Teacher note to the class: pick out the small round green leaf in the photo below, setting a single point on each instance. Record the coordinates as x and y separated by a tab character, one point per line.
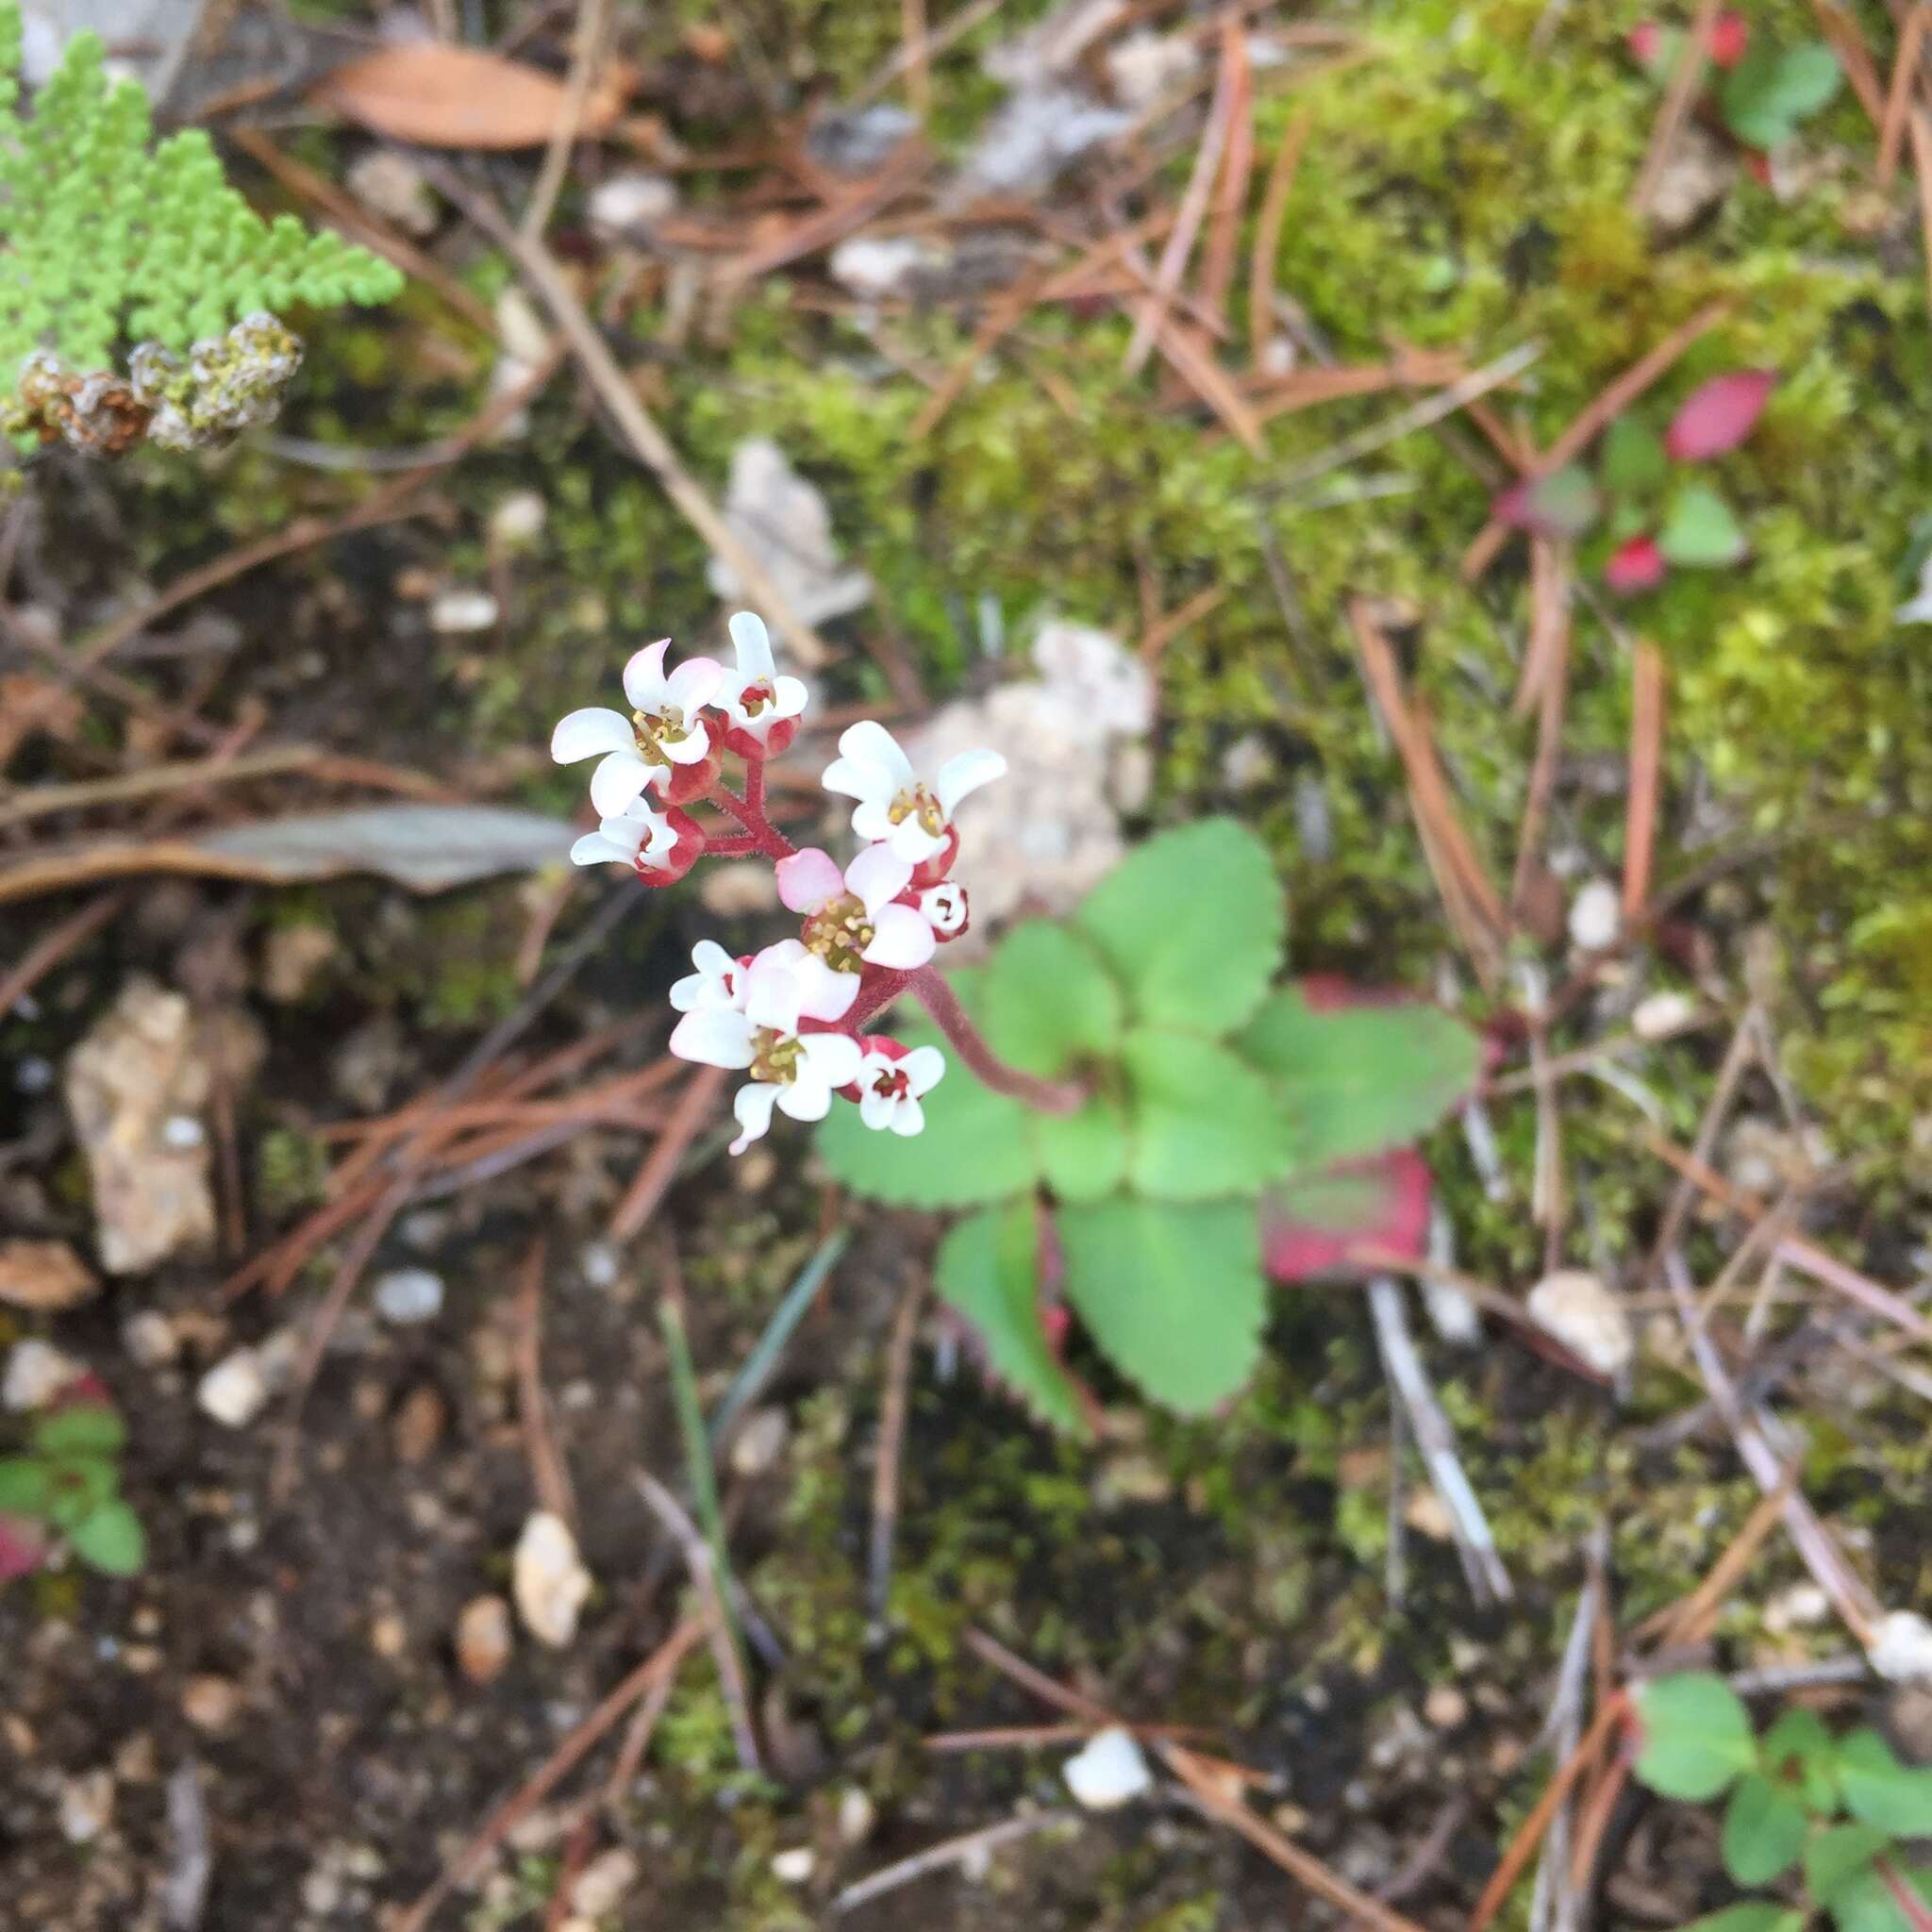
1835	1858
1173	1295
1634	462
1770	91
1192	924
1049	1001
26	1483
1205	1123
1764	1830
1696	1736
110	1539
985	1269
1699	530
1799	1748
1754	1915
86	1428
1881	1791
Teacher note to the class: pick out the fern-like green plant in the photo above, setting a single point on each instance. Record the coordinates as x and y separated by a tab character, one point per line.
108	238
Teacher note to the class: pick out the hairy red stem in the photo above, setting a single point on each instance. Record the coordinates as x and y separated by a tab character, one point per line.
750	812
942	1003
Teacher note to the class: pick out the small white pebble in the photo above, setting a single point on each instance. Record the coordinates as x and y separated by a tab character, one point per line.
1662	1014
1801	1607
408	1295
1902	1647
235	1390
548	1580
33	1074
36	1373
1579	1311
519	518
857	1814
600	1264
1108	1771
149	1337
633	200
182	1130
1596	916
457	613
760	1442
794	1865
86	1807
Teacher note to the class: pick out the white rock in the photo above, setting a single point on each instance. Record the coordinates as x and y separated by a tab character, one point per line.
86	1807
525	337
761	1442
1144	66
1033	138
603	1883
393	185
1801	1607
548	1579
236	1390
630	201
1662	1014
458	613
149	1337
784	519
1108	1771
519	518
857	1814
408	1295
1902	1647
1579	1311
1596	916
876	266
36	1373
795	1865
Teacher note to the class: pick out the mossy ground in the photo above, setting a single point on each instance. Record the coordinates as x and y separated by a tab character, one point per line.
1465	188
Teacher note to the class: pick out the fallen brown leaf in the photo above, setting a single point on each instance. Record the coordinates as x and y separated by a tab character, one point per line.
45	1277
442	95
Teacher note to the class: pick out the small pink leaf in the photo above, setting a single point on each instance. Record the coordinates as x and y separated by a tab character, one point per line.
21	1548
1718	415
1563	504
1638	565
1647	43
1311	1226
1730	35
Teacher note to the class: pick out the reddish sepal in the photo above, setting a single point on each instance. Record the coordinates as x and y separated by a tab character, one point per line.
929	871
688	848
776	743
1638	565
692	781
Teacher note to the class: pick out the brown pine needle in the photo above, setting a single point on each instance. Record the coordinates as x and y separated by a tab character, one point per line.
694	1106
1000	320
1898	99
1546	684
1163	630
1237	166
1274	200
1848	43
1646	775
1675	111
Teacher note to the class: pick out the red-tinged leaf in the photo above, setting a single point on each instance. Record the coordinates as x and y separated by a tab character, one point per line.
1638	565
1730	35
1309	1227
1647	43
1758	165
1719	414
1563	504
21	1548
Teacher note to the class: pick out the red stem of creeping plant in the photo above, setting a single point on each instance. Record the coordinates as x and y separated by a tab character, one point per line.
942	1003
762	835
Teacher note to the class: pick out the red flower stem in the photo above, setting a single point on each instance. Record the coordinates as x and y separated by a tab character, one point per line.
942	1003
750	812
735	846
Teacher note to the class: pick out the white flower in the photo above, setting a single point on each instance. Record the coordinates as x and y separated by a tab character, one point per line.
664	730
889	1087
895	807
758	698
718	983
853	918
945	909
636	836
795	1072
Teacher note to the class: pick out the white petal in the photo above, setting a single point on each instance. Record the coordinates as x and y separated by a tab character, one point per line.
643	677
789	696
925	1067
771	994
808	879
631	833
823	993
753	1108
754	644
872	819
877	1109
878	874
807	1098
687	995
831	1058
855	778
584	734
785	952
868	743
967	774
911	841
901	940
594	848
711	984
693	683
908	1118
712	960
618	783
691	749
715	1037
